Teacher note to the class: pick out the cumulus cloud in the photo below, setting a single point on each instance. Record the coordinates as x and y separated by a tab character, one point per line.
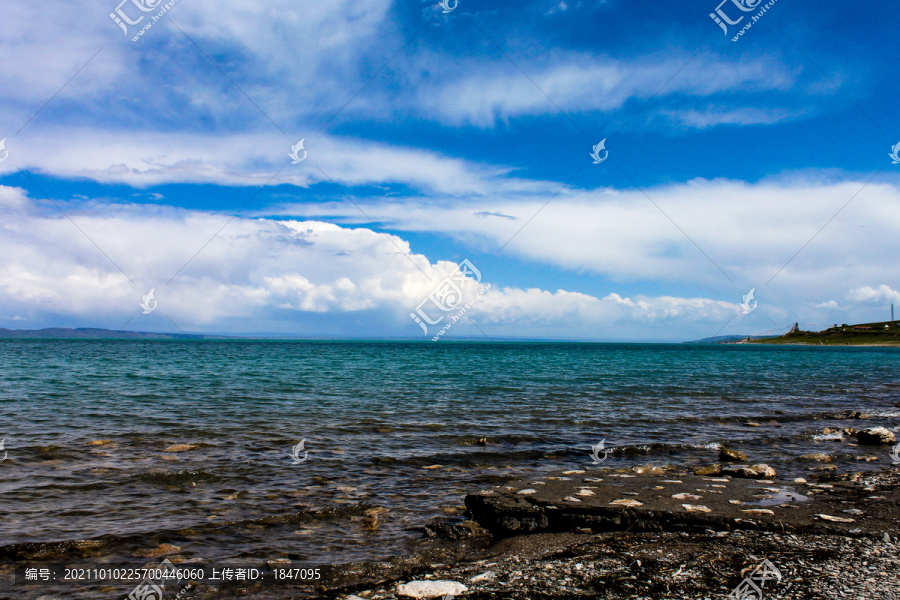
265	271
881	294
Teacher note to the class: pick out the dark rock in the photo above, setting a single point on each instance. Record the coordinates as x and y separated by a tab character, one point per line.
454	531
687	503
708	470
853	414
875	436
728	455
819	456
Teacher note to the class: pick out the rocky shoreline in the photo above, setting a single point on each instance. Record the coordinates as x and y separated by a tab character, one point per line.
834	536
644	532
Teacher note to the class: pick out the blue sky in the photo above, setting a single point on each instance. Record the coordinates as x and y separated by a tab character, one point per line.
433	137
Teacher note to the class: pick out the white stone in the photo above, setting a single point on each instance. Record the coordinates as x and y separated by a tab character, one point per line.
626	502
486	576
430	589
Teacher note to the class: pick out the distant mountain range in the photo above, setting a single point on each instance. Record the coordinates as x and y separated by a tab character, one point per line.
59	333
730	339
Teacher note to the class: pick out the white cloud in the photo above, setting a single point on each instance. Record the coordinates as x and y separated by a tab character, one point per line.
881	294
301	63
715	115
578	83
142	159
748	231
261	271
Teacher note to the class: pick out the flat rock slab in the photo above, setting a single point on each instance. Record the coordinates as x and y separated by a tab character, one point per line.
856	504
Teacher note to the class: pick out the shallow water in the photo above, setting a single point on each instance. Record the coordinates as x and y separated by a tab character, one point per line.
374	416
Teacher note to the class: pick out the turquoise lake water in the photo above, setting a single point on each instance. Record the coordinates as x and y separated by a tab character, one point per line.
373	416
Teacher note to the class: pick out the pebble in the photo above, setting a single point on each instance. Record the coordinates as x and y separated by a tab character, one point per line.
527	492
696	508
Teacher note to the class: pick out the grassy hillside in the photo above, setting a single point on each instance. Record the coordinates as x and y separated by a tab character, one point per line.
886	333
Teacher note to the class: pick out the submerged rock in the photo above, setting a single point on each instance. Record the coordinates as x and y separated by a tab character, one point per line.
454	531
370	520
709	470
160	550
852	414
648	470
728	455
819	456
875	436
179	448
